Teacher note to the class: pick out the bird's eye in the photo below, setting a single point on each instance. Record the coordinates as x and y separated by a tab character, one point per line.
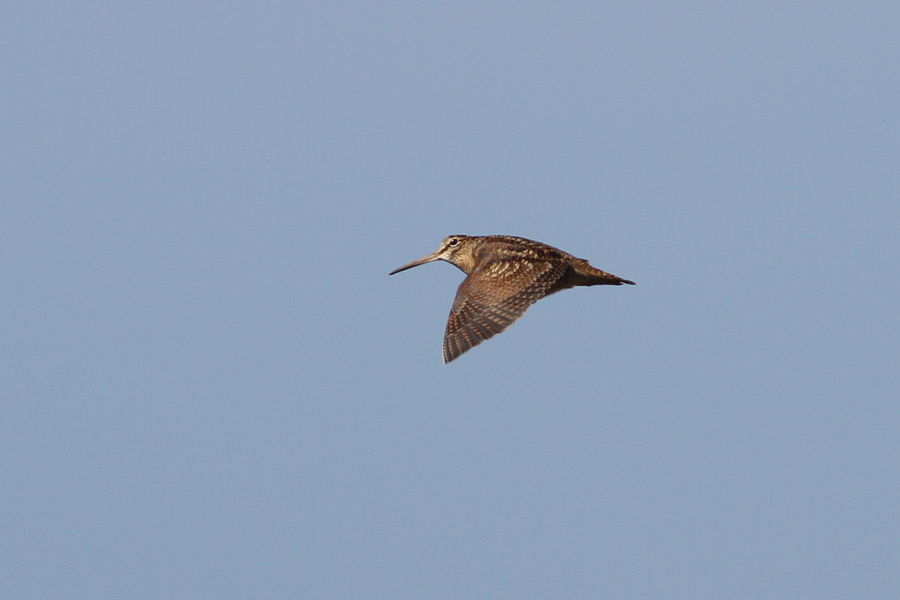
453	242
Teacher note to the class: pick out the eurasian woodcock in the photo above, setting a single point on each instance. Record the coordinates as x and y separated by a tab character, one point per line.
505	275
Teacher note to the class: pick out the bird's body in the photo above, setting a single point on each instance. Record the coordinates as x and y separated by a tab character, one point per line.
505	275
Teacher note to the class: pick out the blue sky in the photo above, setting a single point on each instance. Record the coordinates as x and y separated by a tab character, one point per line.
212	389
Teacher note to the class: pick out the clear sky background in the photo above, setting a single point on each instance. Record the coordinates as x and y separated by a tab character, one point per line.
212	389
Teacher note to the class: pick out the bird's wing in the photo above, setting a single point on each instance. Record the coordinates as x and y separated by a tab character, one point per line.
491	299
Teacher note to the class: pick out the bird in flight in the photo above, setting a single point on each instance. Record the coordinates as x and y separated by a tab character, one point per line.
505	275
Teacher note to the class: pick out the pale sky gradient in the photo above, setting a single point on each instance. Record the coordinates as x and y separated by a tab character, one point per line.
212	389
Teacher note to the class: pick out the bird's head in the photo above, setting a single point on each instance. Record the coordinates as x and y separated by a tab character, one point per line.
458	250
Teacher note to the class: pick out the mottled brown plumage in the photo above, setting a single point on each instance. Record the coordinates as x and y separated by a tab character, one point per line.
506	275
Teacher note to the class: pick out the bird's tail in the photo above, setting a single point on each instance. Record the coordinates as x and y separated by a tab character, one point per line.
593	276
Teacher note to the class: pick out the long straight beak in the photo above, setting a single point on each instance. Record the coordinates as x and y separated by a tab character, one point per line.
425	259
